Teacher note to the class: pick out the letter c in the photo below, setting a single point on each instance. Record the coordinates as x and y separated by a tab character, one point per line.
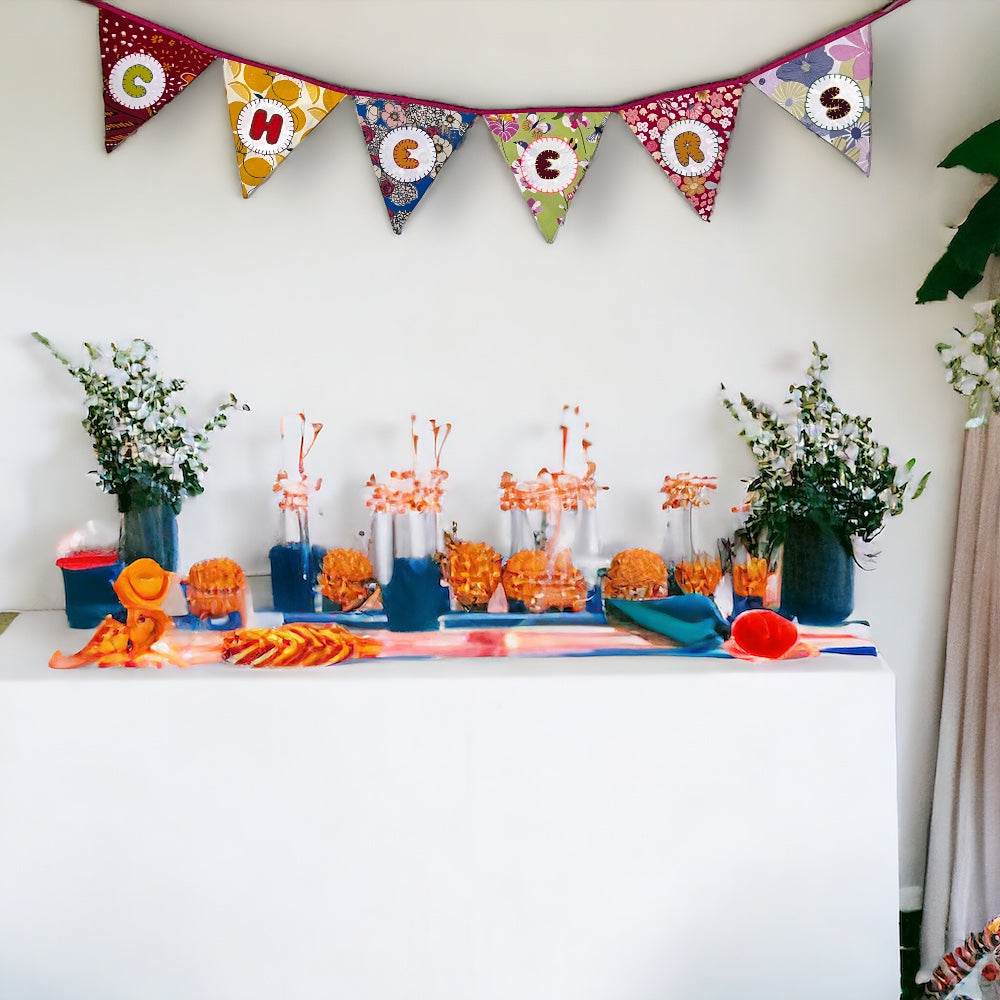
131	78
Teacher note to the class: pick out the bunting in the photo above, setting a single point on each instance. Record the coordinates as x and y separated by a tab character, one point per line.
143	71
826	86
408	144
271	113
687	134
828	89
548	154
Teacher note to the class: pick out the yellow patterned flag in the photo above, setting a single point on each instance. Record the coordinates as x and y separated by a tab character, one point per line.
270	113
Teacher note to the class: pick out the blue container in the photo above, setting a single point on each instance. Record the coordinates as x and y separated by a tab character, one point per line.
89	594
293	576
414	599
817	575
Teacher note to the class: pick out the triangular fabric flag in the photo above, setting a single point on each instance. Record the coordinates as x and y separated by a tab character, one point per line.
144	68
408	144
548	152
828	89
271	113
687	134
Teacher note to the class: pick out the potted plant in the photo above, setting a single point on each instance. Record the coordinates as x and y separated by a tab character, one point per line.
147	456
823	483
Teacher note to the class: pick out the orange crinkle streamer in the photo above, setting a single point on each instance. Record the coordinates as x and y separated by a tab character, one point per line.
296	645
686	490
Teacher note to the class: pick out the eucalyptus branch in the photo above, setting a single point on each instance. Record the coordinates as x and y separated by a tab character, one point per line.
816	461
146	454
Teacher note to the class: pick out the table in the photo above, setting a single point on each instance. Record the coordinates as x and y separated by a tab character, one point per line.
567	829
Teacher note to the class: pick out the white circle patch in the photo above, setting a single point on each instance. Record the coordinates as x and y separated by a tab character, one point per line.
549	165
137	81
689	148
835	102
407	154
265	126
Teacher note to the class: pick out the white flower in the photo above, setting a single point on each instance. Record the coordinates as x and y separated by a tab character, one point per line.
991	376
968	385
977	337
984	310
976	364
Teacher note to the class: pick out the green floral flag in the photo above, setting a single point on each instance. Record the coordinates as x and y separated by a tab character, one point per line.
548	152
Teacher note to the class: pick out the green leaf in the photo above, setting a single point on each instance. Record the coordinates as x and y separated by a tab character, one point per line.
947	276
979	235
979	153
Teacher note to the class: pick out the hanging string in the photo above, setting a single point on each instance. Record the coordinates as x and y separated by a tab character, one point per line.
562	109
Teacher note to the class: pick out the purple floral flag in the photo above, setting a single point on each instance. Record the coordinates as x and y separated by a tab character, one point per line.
408	144
828	89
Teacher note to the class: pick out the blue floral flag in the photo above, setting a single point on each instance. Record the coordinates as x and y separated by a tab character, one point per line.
408	144
828	89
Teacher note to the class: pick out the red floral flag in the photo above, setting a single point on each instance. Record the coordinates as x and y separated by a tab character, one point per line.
144	68
687	133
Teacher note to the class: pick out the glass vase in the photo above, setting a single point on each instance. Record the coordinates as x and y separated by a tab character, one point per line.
149	533
817	575
414	598
694	570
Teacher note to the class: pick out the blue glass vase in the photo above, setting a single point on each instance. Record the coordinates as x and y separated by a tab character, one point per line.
294	569
149	533
414	598
817	575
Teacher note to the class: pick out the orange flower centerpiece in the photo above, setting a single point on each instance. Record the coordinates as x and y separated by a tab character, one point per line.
636	575
544	582
472	570
292	559
347	580
216	588
553	529
406	538
695	571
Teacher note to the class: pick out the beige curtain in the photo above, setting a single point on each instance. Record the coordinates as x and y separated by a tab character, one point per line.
962	887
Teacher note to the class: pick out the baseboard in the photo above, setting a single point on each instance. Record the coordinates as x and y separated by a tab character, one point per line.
911	897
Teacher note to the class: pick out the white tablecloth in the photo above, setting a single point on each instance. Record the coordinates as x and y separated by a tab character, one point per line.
511	829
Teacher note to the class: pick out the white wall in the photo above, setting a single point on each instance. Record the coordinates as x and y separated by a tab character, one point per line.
302	298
